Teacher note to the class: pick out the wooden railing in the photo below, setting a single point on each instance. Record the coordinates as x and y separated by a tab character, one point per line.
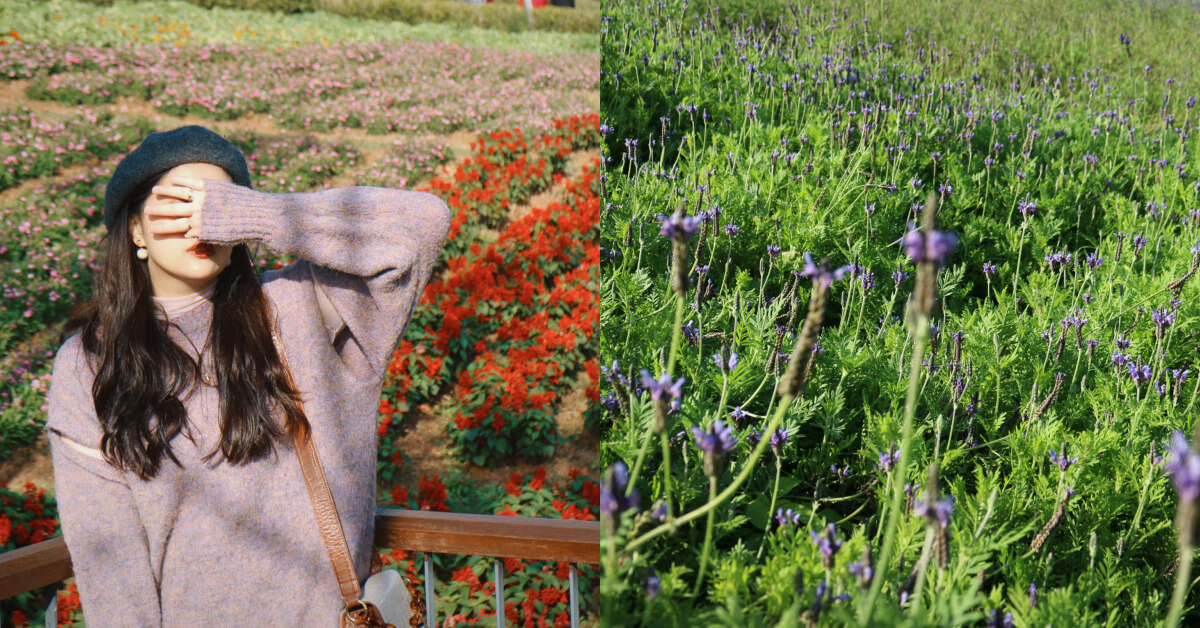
429	532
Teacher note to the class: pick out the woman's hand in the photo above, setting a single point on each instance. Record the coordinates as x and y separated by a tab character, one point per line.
183	216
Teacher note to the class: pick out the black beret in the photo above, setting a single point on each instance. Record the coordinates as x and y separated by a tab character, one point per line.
165	150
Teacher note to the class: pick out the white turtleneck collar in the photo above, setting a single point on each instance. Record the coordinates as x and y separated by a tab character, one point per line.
176	305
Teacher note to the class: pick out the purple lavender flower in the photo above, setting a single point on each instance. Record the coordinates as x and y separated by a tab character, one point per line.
1094	261
936	247
867	279
819	274
653	585
613	500
731	229
614	373
994	619
1122	342
690	332
719	438
778	439
1183	464
785	517
1162	318
1139	242
828	543
1140	374
861	572
1027	207
888	459
726	365
989	268
1119	360
940	512
663	386
773	250
1032	594
679	228
738	414
1063	461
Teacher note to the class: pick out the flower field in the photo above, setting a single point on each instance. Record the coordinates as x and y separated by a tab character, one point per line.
498	345
899	320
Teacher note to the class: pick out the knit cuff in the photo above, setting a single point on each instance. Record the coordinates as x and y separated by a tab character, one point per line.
234	213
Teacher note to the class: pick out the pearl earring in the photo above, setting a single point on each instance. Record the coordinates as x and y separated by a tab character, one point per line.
142	253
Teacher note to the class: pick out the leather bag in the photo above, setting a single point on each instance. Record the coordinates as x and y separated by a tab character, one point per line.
387	599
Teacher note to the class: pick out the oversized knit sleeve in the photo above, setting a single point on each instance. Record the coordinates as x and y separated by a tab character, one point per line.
101	526
371	250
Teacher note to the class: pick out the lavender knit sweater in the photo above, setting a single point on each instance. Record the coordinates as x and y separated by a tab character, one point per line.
223	545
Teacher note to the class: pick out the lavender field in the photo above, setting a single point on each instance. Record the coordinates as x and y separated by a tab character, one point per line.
900	319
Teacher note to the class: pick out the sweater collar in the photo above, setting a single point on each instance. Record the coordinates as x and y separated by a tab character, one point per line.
191	312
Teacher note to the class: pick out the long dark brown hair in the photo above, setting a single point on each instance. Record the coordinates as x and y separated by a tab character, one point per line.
142	372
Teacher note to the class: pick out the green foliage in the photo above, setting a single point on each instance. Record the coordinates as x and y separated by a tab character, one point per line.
698	125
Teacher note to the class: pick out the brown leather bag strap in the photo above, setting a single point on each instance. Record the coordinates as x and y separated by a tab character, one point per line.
322	500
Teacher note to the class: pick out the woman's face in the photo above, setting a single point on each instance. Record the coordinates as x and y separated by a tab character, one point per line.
174	270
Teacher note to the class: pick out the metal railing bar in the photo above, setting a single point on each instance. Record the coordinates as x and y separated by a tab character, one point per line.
430	615
498	576
574	590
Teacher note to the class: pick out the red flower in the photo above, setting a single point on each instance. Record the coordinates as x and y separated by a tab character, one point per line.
513	487
68	603
42	529
551	596
467	575
432	367
591	492
539	479
432	494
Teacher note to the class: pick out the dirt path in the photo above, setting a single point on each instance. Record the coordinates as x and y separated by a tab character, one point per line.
424	439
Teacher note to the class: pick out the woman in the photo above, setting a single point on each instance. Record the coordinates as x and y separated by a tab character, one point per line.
217	528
